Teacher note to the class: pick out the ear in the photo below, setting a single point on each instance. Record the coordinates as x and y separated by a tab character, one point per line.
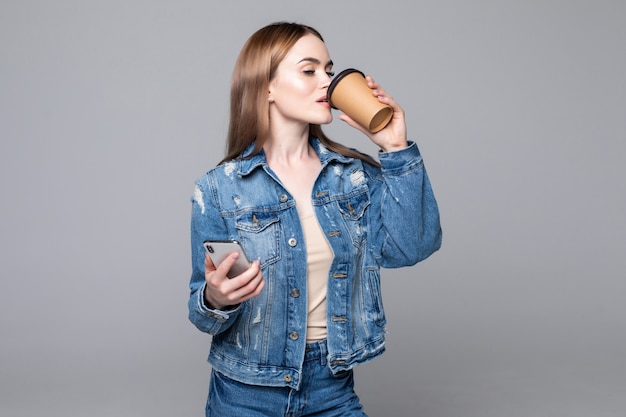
270	90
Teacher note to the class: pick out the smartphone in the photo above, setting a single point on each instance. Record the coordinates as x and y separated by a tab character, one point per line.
218	250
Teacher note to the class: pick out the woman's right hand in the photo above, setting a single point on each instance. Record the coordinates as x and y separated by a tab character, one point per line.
222	292
393	136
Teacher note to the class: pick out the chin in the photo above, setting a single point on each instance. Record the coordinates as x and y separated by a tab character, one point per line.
325	120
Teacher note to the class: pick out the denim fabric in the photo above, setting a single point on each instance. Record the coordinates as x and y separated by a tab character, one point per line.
372	217
321	393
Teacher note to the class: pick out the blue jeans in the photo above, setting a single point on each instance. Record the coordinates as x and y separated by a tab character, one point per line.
321	394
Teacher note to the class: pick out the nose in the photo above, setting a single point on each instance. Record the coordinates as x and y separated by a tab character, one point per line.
326	80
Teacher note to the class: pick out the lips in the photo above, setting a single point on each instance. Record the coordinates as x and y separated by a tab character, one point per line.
323	100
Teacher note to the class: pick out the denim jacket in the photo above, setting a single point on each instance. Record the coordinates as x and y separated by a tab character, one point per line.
372	217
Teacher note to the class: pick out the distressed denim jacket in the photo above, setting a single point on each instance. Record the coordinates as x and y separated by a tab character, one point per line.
372	217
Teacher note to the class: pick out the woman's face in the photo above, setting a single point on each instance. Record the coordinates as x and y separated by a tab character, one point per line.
297	93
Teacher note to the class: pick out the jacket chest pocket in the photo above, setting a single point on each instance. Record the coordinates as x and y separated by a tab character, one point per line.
259	234
353	213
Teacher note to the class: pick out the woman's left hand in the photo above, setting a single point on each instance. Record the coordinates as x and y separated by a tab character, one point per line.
393	136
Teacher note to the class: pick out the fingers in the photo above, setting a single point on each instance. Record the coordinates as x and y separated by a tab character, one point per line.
249	284
353	124
208	263
227	263
221	291
382	95
393	136
221	271
379	93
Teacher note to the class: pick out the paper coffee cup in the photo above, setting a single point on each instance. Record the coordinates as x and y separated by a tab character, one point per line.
349	92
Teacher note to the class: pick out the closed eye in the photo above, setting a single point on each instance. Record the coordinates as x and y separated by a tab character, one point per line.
331	74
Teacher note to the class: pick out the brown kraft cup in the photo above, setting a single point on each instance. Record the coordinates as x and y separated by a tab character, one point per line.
349	92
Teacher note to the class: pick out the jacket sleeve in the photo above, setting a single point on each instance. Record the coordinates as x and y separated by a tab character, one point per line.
206	223
404	213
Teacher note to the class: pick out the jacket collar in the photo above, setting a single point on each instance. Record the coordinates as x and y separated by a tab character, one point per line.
247	165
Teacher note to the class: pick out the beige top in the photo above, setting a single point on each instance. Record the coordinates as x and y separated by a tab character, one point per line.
319	256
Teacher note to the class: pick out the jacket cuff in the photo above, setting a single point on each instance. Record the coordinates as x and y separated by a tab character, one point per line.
401	159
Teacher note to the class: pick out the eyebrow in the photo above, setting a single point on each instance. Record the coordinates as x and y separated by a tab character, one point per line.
315	61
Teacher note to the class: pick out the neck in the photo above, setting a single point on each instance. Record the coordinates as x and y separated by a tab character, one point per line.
287	145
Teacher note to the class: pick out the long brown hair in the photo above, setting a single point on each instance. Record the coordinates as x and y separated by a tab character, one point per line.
255	68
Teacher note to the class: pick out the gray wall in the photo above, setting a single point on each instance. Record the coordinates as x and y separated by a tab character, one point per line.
109	110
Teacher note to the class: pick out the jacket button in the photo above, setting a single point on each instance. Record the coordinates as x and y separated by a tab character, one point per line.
295	293
287	378
293	335
292	242
283	198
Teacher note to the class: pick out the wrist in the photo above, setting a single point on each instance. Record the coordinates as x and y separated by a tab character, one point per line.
210	304
394	147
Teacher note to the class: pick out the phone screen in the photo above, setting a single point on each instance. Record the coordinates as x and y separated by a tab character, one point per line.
218	250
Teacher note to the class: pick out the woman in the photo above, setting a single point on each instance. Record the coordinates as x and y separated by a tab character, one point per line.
318	219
